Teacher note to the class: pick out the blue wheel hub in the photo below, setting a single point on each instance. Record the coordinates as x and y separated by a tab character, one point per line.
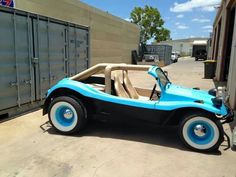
65	116
200	132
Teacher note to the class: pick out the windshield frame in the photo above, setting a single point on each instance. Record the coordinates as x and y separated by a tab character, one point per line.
162	85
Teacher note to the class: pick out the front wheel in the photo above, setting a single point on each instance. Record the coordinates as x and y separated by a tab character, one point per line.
67	115
200	132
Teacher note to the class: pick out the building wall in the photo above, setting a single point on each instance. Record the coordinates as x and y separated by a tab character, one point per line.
209	48
221	28
111	38
183	46
220	44
232	72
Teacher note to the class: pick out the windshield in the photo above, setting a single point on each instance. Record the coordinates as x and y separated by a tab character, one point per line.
162	77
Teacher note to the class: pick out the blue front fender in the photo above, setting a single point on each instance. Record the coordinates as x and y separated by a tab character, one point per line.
172	105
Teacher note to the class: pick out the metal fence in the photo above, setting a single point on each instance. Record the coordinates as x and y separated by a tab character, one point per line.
35	53
163	51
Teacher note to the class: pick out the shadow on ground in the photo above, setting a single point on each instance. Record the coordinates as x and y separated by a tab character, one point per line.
162	136
6	117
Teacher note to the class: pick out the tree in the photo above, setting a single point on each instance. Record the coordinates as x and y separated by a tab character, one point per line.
151	24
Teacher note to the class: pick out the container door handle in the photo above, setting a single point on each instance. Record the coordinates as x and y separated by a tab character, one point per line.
13	84
53	78
27	81
35	60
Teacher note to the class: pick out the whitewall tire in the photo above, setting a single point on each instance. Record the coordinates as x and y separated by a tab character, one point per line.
66	114
201	133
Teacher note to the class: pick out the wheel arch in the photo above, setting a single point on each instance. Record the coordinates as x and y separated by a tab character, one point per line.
179	114
61	92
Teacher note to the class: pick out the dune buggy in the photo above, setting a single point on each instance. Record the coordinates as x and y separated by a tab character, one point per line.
106	89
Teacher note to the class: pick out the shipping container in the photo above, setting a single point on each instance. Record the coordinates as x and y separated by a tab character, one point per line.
35	53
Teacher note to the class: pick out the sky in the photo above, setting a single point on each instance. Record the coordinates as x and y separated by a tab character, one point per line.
184	18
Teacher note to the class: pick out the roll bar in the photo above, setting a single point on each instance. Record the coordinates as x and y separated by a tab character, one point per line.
107	68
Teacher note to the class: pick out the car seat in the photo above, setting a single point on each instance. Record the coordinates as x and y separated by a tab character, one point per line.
130	89
119	88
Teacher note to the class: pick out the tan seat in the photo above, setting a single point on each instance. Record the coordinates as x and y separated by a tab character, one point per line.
119	88
131	90
99	87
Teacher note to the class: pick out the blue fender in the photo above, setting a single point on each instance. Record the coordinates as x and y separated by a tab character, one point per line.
162	104
90	92
175	97
172	105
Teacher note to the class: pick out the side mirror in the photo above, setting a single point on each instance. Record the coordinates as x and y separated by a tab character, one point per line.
166	73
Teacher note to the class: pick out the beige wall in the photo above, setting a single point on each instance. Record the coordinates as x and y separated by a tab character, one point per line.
183	47
219	54
111	38
232	71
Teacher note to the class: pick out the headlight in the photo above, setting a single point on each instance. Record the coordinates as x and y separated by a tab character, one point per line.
221	93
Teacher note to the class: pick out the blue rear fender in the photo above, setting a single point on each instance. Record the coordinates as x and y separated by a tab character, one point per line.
90	92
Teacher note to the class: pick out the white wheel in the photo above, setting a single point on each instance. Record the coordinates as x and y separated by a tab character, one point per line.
201	133
63	116
66	115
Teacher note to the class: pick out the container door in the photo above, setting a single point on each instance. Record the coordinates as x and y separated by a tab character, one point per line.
78	50
35	53
16	76
73	53
82	49
50	55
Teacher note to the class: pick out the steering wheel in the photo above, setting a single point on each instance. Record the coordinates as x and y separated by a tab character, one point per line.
153	91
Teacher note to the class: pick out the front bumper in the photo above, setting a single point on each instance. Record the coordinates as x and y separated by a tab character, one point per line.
229	117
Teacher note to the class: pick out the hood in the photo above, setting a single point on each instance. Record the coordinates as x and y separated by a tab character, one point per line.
179	93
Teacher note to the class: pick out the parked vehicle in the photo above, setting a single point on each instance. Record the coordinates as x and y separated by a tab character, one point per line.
198	114
151	58
199	52
174	57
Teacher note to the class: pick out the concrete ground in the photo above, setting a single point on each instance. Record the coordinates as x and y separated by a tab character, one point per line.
31	148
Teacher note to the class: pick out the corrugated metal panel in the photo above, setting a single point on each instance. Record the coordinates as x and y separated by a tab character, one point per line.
61	51
15	68
78	50
35	53
82	49
23	58
49	43
8	93
163	51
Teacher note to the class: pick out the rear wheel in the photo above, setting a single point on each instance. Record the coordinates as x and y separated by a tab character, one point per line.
67	115
200	132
